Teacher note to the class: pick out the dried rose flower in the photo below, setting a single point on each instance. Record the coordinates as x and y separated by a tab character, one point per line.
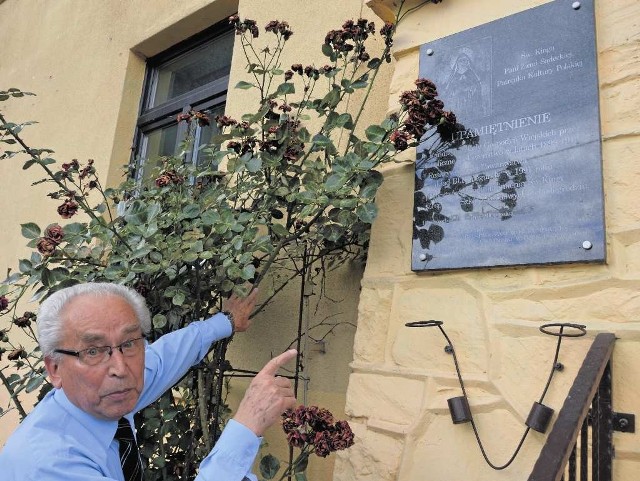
314	427
225	121
54	233
163	180
25	319
183	118
16	354
46	246
201	118
4	303
68	209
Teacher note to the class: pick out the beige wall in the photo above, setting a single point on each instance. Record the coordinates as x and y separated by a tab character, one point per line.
87	66
85	59
398	392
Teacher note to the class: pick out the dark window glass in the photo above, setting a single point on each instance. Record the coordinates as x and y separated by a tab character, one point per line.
190	76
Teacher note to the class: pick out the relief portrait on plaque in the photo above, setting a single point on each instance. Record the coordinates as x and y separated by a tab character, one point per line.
467	86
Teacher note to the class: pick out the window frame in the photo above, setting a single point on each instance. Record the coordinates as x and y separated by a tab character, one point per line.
210	95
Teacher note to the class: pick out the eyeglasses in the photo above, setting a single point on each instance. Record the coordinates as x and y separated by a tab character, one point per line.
98	355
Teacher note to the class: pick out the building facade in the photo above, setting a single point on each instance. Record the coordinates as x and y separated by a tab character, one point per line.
92	65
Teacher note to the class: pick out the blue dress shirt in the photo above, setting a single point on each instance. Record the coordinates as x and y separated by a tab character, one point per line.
58	441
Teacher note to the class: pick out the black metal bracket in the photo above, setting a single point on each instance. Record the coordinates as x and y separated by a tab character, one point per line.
624	422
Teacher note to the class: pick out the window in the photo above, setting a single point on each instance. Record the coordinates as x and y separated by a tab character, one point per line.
192	75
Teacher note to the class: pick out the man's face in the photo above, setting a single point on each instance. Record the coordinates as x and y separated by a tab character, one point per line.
110	389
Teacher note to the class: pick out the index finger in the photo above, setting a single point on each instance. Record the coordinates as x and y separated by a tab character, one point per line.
271	368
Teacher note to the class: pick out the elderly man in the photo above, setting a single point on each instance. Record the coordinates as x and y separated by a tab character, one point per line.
92	339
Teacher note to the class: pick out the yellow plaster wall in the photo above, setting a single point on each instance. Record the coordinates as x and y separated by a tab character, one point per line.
86	60
87	66
397	395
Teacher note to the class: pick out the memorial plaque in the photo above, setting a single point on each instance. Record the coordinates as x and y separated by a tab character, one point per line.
526	185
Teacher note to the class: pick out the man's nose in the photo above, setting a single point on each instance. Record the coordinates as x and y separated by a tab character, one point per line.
117	363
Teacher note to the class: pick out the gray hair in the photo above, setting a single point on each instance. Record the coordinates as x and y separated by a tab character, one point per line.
50	319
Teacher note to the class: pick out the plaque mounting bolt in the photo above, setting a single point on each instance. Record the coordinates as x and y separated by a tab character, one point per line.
423	257
586	245
430	51
576	5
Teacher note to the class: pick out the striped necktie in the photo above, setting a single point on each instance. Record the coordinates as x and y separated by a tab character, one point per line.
129	455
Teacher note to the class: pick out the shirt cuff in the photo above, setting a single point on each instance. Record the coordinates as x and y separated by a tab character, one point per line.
214	328
233	455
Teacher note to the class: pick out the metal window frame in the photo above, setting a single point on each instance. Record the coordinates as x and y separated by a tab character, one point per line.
210	95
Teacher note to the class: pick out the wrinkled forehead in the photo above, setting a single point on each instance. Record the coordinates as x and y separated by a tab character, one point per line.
90	317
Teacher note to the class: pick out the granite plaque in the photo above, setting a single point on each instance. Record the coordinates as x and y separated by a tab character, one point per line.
525	186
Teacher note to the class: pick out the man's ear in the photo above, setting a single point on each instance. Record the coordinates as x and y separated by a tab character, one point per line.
53	368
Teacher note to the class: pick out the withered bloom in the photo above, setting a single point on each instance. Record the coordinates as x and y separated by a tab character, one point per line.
25	319
315	427
46	246
201	118
224	121
68	209
400	139
183	118
163	180
16	354
4	303
54	233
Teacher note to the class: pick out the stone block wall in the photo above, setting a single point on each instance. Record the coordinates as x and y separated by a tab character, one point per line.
402	378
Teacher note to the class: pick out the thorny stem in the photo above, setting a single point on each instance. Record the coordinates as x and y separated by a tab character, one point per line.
13	395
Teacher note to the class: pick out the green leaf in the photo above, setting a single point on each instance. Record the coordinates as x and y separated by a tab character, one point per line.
344	120
159	321
375	133
248	272
191	211
179	298
280	230
367	212
301	477
30	230
25	265
254	165
34	383
28	164
75	228
332	98
369	191
374	63
321	140
210	217
327	50
301	463
234	272
13	278
269	466
190	256
334	182
286	88
244	85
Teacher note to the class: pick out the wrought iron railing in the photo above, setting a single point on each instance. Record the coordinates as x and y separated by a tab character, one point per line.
580	447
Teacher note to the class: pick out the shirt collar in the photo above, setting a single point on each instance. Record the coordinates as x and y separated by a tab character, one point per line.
101	430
